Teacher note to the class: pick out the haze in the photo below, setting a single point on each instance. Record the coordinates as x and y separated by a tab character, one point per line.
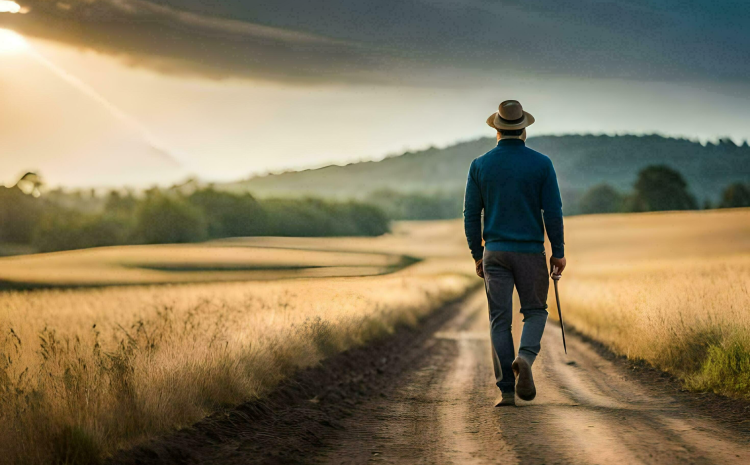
134	92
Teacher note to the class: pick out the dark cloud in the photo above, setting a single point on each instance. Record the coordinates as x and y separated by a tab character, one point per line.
408	40
180	41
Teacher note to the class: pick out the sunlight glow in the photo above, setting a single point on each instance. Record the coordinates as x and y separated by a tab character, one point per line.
160	149
9	7
11	42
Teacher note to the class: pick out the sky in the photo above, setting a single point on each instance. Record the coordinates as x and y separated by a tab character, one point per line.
135	92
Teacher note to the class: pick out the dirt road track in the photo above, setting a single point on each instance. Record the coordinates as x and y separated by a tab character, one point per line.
586	412
432	403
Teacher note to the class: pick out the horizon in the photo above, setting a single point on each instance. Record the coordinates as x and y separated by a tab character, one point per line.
406	151
190	177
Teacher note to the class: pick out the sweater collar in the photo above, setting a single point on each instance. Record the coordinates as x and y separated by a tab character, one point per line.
510	142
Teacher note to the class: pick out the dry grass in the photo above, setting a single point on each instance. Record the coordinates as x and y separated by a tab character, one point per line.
672	289
152	264
84	372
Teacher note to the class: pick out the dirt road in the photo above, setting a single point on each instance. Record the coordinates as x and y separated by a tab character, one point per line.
426	396
586	411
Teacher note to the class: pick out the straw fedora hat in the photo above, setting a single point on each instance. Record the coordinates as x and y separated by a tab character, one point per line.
510	116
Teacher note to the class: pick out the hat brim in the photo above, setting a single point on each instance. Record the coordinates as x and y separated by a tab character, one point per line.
495	122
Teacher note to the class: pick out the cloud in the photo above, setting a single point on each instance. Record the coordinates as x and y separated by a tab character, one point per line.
455	42
170	40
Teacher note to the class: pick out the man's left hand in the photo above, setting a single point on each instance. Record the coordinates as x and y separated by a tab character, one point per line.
479	268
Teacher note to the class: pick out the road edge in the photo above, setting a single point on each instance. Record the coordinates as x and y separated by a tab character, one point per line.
292	423
728	411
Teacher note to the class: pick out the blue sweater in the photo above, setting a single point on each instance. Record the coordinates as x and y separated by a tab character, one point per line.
513	185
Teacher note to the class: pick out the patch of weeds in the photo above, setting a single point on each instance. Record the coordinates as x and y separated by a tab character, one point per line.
323	336
73	446
726	370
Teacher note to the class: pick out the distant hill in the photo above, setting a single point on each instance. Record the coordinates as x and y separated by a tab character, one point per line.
581	161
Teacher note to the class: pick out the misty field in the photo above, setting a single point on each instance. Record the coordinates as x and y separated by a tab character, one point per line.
671	289
87	371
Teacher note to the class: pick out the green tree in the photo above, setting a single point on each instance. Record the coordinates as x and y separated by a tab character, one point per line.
418	206
59	229
165	219
63	221
368	220
735	195
20	209
660	188
312	217
120	204
19	215
230	215
602	198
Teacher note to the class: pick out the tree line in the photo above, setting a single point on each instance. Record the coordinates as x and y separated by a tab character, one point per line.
418	206
658	188
60	221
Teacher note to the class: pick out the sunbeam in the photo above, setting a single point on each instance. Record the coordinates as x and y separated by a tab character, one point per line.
160	148
12	42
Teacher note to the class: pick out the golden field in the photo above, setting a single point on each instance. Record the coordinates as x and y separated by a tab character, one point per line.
86	371
185	263
671	289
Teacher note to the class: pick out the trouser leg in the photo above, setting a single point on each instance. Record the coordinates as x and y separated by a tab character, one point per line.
498	282
534	321
532	282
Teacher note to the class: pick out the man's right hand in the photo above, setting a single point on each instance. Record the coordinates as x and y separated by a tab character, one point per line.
479	268
556	266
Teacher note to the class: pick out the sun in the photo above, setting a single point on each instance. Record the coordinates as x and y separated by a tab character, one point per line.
11	42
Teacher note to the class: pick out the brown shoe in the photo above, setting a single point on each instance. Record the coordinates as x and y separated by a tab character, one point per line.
524	380
505	399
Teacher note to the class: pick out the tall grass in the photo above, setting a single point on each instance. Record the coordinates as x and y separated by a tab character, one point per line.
670	289
84	372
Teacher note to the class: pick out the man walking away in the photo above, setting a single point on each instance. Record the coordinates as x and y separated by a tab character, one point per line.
516	188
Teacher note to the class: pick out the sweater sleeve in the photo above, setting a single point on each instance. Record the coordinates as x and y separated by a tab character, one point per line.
553	215
473	206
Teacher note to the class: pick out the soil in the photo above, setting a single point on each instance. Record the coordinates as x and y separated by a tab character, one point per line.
426	395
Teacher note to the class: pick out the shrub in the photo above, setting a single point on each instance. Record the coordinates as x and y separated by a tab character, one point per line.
601	199
735	195
163	219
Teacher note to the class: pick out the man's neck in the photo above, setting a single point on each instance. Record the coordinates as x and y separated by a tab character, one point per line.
503	137
511	138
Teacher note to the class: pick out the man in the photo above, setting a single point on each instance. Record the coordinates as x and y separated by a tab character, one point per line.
516	188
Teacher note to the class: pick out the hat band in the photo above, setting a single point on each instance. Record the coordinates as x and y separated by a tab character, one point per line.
511	121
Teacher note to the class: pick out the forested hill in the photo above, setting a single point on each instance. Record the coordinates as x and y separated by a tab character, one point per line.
581	161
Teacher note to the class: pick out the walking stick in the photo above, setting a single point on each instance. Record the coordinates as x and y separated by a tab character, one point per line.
555	279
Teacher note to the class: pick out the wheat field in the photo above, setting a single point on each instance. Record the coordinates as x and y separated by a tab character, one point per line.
671	289
84	372
186	263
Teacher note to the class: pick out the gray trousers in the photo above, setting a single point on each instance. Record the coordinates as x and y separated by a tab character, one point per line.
527	272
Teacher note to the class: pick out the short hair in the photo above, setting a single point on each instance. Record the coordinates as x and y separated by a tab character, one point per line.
510	132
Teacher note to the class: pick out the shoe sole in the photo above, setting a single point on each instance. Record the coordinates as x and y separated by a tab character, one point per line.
503	403
525	388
